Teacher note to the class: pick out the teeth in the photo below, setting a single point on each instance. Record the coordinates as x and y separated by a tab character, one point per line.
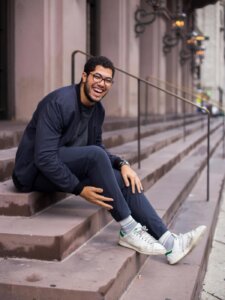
98	90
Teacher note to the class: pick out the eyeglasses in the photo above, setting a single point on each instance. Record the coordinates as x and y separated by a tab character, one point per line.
98	78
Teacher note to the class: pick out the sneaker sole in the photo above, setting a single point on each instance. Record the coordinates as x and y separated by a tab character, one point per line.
192	246
159	252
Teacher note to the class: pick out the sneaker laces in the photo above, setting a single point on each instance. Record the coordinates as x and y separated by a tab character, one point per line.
142	233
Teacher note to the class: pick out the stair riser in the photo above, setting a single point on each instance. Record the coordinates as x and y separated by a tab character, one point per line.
118	139
13	203
10	139
53	247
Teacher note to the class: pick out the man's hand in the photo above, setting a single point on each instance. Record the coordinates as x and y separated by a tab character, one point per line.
130	177
91	194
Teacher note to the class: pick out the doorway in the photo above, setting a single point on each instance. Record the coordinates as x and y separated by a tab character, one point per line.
93	27
6	59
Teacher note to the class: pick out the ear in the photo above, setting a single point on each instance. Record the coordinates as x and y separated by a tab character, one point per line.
84	77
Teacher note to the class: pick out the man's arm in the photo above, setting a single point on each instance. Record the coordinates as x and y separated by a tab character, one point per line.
48	133
128	174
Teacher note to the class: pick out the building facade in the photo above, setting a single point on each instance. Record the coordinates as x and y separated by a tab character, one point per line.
39	36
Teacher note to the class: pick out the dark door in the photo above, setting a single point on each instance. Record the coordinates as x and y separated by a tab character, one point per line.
3	59
7	83
93	26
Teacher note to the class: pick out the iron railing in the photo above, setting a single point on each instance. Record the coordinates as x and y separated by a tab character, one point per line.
148	83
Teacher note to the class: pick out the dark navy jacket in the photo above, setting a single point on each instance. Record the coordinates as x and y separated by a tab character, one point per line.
53	125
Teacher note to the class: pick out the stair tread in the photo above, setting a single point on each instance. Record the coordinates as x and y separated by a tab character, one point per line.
116	137
6	154
129	149
183	280
54	221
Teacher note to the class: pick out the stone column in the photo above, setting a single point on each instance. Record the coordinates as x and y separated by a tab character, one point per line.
118	42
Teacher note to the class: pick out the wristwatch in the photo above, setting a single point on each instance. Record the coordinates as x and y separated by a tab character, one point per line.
123	163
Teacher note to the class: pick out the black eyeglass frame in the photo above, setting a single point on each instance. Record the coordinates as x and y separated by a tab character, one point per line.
99	78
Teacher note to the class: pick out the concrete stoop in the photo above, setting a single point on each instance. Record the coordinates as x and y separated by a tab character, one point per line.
58	246
66	225
100	269
163	158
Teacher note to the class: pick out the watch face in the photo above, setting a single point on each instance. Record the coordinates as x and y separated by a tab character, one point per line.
124	162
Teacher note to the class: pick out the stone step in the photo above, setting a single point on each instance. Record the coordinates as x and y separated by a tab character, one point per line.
124	135
7	156
61	229
53	234
158	141
26	204
14	203
100	269
10	133
7	159
184	281
117	123
160	162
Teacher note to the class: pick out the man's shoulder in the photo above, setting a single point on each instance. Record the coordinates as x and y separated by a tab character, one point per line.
66	92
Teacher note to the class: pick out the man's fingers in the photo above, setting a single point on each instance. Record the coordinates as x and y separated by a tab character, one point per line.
103	198
93	195
103	204
126	181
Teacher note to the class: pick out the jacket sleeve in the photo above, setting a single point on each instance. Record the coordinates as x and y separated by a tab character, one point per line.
48	133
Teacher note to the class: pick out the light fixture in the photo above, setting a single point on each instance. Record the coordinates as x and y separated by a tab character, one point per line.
179	21
172	38
194	47
200	53
145	17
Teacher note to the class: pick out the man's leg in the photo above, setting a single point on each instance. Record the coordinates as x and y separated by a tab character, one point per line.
92	163
141	209
177	246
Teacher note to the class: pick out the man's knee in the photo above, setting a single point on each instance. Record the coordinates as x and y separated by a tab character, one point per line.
97	155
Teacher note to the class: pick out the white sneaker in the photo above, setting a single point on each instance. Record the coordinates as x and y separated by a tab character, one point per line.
142	242
184	243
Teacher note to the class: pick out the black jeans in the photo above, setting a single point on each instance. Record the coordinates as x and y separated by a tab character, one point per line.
92	166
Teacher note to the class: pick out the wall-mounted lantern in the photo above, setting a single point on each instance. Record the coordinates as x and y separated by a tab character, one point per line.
194	47
172	38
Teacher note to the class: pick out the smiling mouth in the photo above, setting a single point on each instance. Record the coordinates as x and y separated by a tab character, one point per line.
98	91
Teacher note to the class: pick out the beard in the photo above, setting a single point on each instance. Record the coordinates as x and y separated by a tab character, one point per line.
87	94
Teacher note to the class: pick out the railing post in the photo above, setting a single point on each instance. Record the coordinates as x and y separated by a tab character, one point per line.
73	67
146	101
184	121
224	136
139	123
208	155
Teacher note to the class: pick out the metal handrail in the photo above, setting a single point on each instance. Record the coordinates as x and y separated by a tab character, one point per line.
139	80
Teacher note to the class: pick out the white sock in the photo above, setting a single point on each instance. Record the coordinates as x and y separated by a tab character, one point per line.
167	240
128	224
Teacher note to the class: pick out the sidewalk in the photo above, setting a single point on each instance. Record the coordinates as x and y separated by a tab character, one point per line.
214	282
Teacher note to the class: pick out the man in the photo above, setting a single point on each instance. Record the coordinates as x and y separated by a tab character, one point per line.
61	150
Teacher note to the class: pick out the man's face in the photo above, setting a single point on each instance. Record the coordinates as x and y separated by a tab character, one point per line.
97	84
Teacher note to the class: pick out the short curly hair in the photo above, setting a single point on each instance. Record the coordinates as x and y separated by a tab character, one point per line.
98	61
